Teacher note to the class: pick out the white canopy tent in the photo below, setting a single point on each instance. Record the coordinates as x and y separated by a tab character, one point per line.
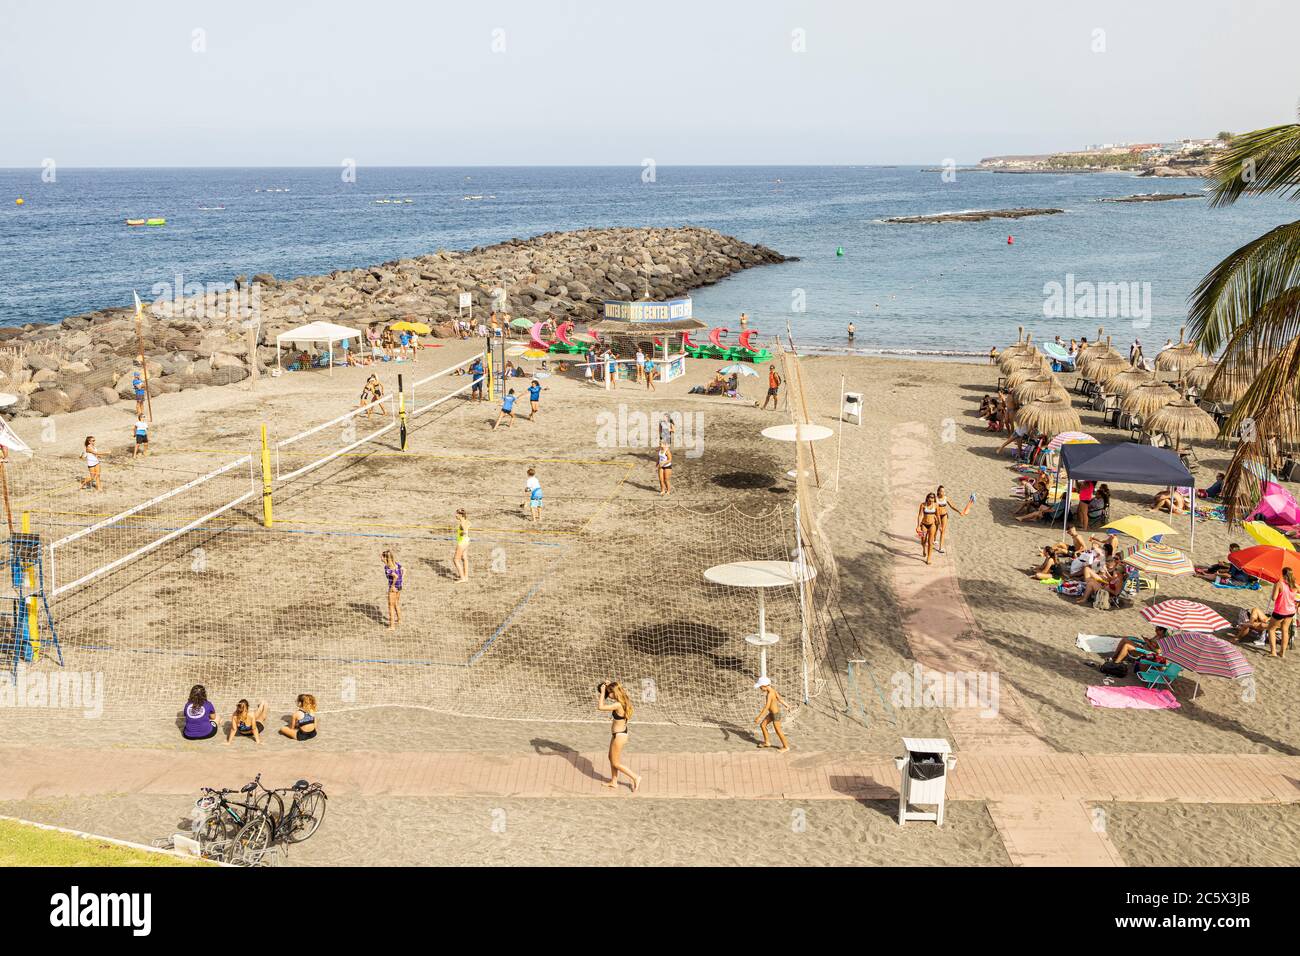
326	332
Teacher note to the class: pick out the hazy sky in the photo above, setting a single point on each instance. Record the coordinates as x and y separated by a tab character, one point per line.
296	83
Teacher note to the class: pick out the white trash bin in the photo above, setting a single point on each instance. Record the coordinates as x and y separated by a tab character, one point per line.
923	778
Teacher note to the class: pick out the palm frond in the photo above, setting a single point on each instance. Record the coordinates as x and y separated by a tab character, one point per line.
1268	412
1258	163
1243	285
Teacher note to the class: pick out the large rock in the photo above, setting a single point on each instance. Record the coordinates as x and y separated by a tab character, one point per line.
228	375
51	402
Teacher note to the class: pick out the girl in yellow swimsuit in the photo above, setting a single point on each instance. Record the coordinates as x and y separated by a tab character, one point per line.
460	560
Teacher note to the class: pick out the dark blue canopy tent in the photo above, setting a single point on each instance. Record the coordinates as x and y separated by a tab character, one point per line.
1128	463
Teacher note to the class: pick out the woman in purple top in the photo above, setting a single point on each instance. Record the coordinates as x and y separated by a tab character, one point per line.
393	573
200	715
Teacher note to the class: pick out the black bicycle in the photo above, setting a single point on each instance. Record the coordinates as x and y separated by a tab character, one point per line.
228	829
300	821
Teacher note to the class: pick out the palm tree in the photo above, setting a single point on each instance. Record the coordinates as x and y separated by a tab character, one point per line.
1248	308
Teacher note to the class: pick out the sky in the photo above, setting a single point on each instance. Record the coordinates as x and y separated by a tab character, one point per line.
614	82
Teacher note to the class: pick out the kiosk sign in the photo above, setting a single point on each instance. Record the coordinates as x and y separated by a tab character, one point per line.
672	310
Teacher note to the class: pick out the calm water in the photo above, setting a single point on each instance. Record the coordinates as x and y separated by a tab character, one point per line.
931	288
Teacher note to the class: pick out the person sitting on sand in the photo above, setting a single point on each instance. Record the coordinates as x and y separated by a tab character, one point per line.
1139	646
247	724
1252	626
612	699
1171	500
302	722
1215	490
770	715
1225	571
1036	492
1019	435
200	715
1101	576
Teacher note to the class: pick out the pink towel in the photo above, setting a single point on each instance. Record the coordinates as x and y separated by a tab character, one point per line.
1137	698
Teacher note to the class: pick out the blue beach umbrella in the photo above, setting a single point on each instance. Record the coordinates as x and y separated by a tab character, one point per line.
738	370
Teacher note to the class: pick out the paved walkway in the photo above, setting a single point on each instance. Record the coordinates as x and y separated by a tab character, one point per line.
36	772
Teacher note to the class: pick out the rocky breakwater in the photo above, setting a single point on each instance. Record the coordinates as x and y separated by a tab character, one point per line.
199	336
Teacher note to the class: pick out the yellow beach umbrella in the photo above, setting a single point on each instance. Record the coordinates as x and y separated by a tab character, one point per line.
419	328
1267	534
1139	526
535	354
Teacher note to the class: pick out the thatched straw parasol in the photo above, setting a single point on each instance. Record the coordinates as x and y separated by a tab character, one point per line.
1147	399
1180	358
1127	380
1106	368
1096	353
1036	388
1200	376
1231	385
1049	415
1024	372
1182	419
1021	350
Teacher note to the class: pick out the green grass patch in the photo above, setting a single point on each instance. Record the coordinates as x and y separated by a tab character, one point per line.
24	845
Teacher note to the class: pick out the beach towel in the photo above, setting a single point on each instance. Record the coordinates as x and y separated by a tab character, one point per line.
1072	588
1228	586
1052	581
1097	643
1217	513
1133	698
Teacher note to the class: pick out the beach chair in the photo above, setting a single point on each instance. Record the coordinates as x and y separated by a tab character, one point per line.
1134	583
1155	675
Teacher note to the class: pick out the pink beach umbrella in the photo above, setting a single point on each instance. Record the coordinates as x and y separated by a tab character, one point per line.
1276	507
1179	614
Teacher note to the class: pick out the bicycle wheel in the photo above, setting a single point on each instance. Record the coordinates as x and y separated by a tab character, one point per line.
218	829
271	804
307	812
251	842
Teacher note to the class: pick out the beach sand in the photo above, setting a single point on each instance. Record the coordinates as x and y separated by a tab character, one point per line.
1026	631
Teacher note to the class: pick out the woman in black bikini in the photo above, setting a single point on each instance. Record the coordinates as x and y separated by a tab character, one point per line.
247	724
613	700
302	722
927	523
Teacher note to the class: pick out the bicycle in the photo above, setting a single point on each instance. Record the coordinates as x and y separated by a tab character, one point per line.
228	828
300	821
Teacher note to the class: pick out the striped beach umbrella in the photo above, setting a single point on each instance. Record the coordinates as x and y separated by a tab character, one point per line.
1179	614
1156	558
1070	438
1205	654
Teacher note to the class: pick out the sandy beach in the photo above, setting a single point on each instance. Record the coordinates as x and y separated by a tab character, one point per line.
920	428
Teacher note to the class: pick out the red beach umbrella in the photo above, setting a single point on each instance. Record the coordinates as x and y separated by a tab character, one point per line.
1265	562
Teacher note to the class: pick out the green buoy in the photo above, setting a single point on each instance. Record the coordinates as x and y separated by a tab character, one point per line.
839	250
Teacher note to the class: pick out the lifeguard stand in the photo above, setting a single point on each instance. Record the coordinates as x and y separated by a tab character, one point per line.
27	575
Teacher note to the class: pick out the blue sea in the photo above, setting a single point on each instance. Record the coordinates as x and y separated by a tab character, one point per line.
927	289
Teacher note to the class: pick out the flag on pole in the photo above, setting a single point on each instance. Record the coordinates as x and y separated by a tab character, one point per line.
11	441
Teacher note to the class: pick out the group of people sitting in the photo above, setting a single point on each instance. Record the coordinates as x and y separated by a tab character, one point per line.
200	719
721	384
1095	562
1093	506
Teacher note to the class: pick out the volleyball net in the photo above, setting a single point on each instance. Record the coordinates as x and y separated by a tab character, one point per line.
191	586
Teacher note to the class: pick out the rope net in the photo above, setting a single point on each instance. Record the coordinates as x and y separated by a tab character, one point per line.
190	587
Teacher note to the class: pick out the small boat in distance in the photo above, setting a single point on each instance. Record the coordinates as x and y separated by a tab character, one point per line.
135	222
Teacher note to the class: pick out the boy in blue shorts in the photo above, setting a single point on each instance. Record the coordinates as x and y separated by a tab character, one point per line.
476	391
507	409
533	491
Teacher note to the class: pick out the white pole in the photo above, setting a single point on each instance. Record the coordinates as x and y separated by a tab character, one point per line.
839	442
1191	509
